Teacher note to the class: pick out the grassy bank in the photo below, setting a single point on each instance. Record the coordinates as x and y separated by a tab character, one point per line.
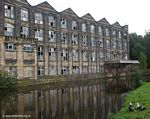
141	95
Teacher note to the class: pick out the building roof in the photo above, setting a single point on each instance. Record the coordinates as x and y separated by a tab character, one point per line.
104	21
88	16
116	24
69	11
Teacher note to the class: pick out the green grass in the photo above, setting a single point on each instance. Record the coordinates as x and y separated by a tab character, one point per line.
141	95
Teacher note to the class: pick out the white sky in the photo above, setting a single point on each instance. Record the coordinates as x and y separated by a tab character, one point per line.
134	13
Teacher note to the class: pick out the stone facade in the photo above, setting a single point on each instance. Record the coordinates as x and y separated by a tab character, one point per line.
39	41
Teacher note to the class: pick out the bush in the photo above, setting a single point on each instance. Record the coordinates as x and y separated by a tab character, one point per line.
7	81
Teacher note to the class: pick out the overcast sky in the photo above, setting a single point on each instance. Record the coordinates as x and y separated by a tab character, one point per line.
134	13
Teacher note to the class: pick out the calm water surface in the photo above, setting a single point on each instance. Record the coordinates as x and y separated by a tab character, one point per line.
85	101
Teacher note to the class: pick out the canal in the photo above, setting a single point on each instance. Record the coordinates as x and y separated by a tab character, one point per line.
85	100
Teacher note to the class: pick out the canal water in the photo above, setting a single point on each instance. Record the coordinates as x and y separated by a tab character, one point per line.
71	101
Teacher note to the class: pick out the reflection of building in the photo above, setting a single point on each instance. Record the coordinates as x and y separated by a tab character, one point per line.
38	41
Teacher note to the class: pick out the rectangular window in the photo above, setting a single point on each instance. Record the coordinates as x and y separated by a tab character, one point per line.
108	44
100	42
101	69
93	56
24	15
107	32
10	46
119	34
107	56
93	42
38	18
65	54
11	70
85	69
114	33
75	55
52	36
125	35
52	70
114	45
40	53
100	30
52	54
101	54
84	55
84	40
93	69
92	29
27	47
9	11
24	31
74	25
64	37
28	72
63	23
9	29
40	71
74	38
75	69
64	70
39	34
52	21
83	27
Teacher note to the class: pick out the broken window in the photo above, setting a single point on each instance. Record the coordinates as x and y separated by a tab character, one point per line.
63	23
74	38
84	40
125	35
24	31
93	56
52	21
40	71
93	68
64	37
101	69
9	29
39	34
27	47
9	11
64	54
75	69
40	53
10	46
100	42
64	70
52	54
38	18
114	33
83	27
11	70
52	36
114	45
92	29
120	44
74	25
24	15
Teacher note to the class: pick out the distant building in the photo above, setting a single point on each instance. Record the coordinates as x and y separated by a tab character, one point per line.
39	41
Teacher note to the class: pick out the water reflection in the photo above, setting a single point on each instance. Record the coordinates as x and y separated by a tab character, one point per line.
82	102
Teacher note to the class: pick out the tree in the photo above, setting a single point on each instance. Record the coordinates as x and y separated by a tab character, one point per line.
143	61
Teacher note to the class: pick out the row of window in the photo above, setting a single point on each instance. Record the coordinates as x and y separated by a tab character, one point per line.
9	13
65	53
29	71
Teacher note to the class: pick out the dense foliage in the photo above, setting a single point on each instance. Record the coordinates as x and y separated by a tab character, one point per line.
140	49
7	81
